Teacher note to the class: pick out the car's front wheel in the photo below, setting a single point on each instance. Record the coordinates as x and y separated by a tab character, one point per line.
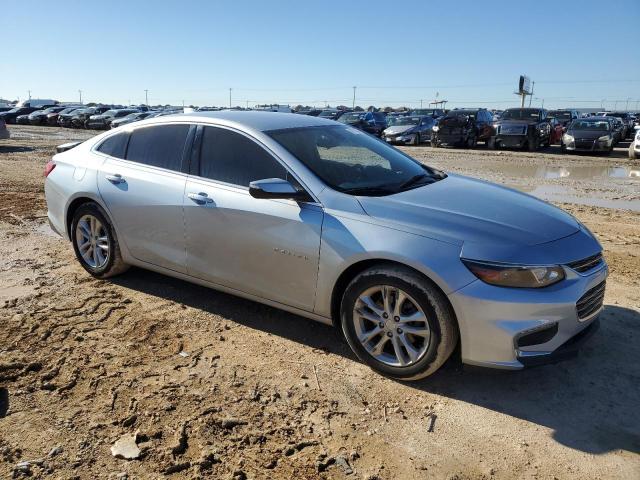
398	322
95	242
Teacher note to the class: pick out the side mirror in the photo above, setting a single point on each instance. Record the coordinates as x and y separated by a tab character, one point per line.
276	188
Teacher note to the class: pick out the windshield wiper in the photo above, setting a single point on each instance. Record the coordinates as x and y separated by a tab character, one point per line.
417	179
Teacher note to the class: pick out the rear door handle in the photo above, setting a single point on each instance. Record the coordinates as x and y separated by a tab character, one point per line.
200	198
115	178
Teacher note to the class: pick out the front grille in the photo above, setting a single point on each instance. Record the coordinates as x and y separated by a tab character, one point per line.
591	302
586	264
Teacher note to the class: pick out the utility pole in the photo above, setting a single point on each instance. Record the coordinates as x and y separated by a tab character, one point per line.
602	103
146	97
533	87
29	94
354	98
230	98
420	103
627	107
247	105
615	107
80	92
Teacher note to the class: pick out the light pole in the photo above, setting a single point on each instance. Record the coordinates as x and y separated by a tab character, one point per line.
615	106
80	92
627	107
29	94
354	98
230	98
421	104
602	103
146	97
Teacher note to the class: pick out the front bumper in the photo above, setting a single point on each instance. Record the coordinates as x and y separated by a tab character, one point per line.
511	141
492	320
407	139
588	146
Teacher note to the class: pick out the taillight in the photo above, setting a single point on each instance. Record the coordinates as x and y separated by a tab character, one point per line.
48	168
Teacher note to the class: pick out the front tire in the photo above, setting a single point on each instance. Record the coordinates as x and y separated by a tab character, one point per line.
398	322
416	140
632	152
95	242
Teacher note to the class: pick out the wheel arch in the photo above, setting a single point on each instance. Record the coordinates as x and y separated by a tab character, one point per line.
356	268
75	203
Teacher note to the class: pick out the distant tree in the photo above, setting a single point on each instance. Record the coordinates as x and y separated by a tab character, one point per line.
359	108
91	104
388	109
342	107
297	108
371	108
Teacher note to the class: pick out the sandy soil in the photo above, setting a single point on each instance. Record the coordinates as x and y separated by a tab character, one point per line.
213	386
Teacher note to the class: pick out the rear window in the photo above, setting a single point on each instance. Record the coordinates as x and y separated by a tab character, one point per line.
158	146
115	145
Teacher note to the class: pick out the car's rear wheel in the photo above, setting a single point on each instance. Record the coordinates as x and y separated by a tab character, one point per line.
398	323
632	152
416	139
95	243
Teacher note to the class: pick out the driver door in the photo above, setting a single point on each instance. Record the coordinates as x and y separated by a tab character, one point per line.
264	247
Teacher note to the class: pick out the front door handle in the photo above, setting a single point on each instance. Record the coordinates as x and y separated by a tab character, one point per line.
200	198
115	178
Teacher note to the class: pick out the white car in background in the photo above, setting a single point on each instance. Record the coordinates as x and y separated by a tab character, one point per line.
634	148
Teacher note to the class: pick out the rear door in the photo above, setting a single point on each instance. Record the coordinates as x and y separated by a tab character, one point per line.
268	248
142	184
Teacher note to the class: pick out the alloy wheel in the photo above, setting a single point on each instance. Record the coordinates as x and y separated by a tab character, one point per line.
391	326
92	241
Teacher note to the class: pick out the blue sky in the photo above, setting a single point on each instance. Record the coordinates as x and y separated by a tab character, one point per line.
579	53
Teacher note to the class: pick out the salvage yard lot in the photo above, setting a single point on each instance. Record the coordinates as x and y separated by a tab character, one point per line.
227	388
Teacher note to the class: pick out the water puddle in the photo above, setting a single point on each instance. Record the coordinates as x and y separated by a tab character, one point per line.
573	172
559	193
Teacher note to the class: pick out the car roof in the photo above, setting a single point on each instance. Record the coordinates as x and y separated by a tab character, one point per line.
258	120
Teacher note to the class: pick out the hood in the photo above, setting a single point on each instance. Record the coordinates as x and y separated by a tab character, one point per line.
587	134
397	129
464	210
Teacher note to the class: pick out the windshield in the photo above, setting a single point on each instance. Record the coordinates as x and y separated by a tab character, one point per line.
560	115
351	161
350	117
521	114
407	121
601	125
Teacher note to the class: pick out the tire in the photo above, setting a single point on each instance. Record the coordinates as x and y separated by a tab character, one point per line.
491	143
532	145
471	142
100	265
416	140
434	142
420	297
632	152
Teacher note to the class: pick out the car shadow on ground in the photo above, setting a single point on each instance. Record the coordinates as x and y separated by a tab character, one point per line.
590	402
15	149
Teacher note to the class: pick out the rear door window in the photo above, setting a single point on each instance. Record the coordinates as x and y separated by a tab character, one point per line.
115	145
231	157
158	146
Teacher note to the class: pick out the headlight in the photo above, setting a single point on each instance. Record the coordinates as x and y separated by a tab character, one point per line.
604	138
516	276
567	138
435	128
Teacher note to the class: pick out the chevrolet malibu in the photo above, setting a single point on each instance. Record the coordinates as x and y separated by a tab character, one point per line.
326	221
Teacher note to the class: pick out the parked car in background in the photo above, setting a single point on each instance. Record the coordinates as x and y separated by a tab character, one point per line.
314	112
371	122
39	117
410	130
593	134
618	126
23	119
132	117
407	261
80	116
564	117
634	148
331	113
4	131
52	118
463	127
10	115
103	120
627	122
522	128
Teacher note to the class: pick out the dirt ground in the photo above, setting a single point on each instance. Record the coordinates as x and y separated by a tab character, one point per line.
213	386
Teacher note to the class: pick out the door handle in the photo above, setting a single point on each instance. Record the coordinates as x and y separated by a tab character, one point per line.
115	178
200	198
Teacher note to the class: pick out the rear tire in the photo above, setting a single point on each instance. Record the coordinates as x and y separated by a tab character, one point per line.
416	140
632	152
532	145
95	242
422	308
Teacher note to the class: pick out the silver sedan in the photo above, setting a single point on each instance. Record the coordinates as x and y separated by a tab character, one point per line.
328	222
